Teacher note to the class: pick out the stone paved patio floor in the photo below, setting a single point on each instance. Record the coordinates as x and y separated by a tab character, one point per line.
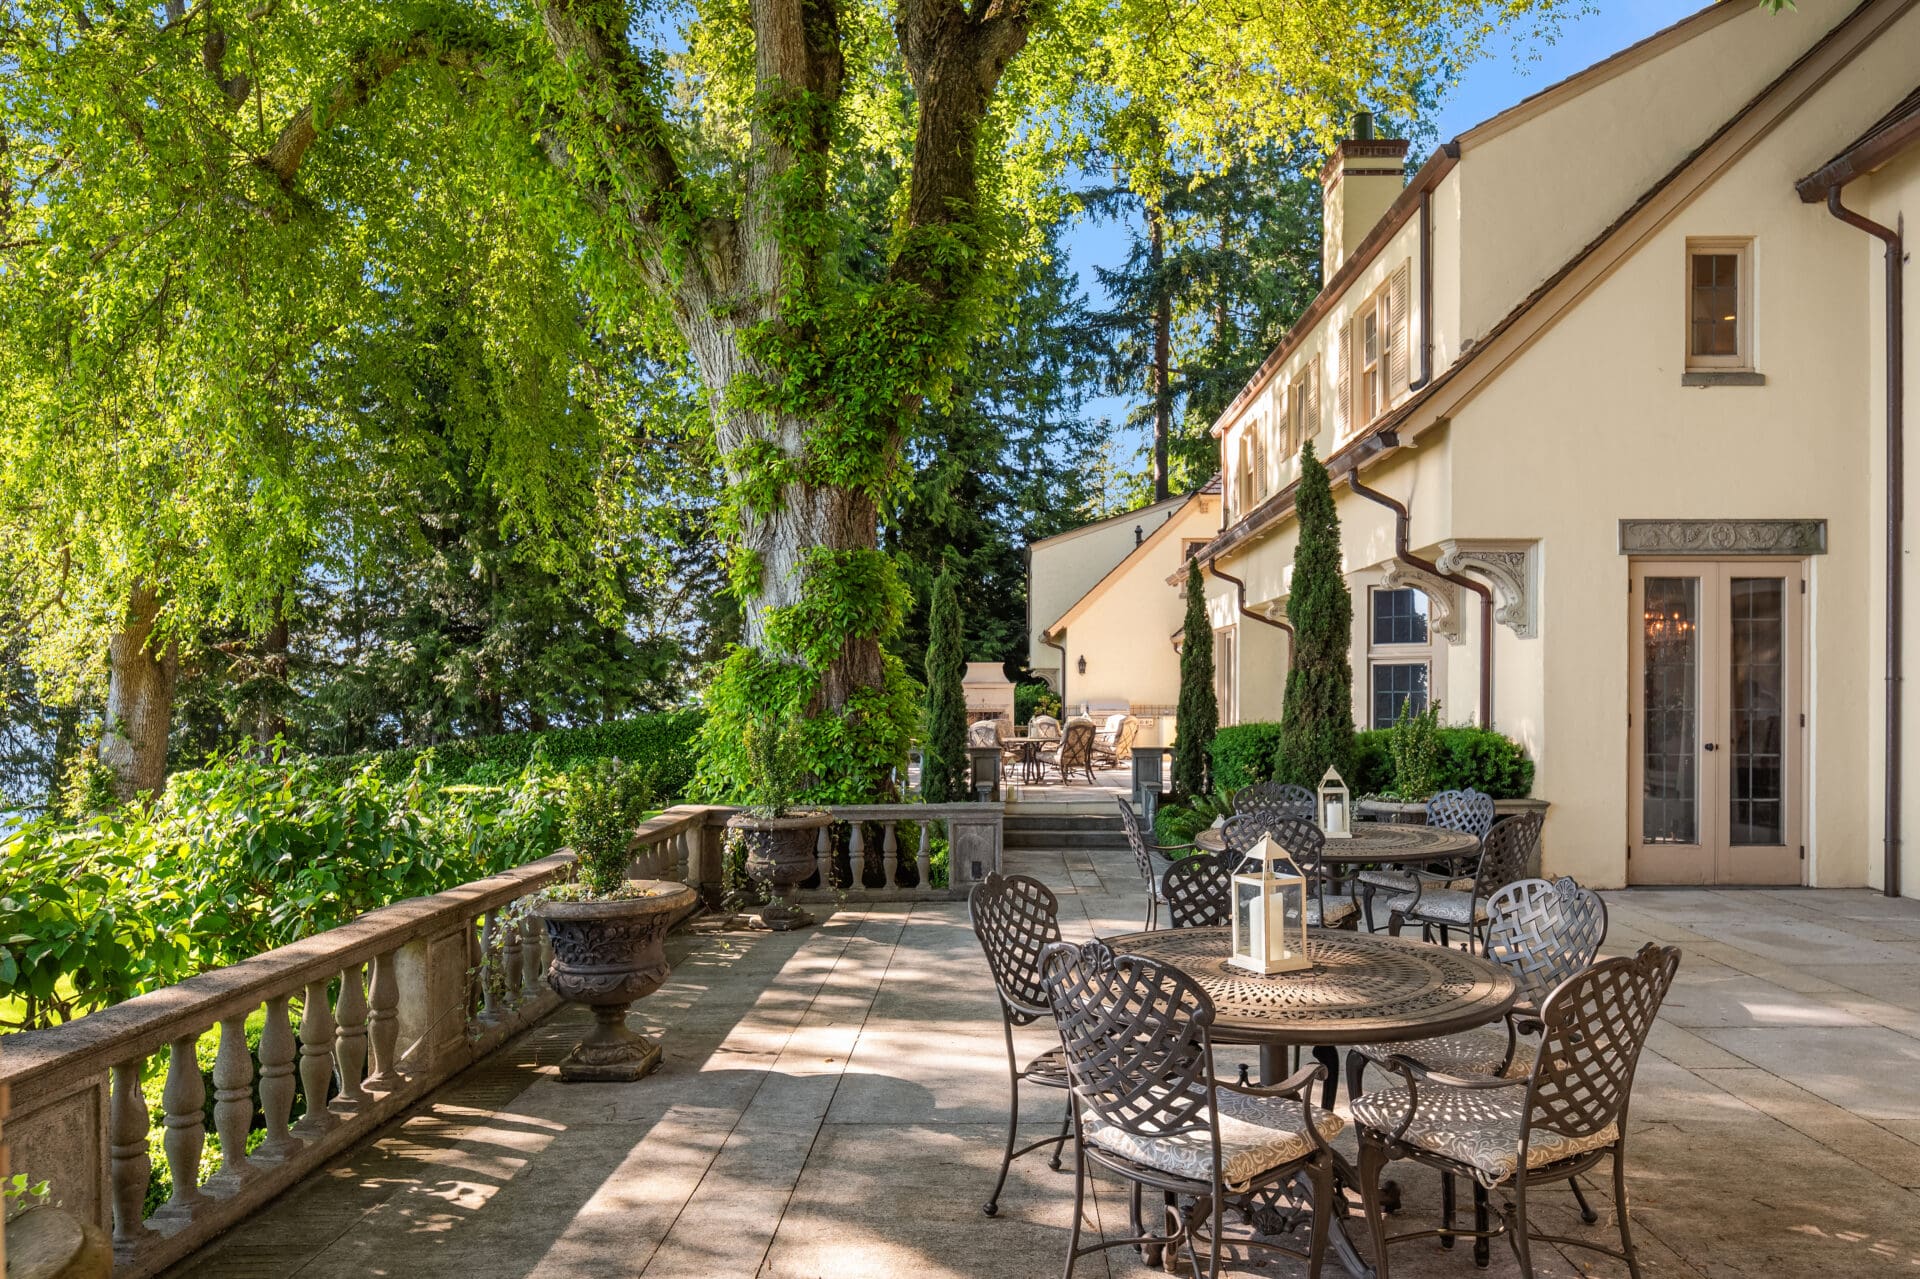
831	1105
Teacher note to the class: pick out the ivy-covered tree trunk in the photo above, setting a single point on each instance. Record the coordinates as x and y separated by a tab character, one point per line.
139	700
943	757
1316	721
1198	716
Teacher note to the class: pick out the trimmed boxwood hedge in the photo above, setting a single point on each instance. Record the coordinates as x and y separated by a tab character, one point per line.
1484	759
664	740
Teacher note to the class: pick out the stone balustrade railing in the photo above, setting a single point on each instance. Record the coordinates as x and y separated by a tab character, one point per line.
354	1025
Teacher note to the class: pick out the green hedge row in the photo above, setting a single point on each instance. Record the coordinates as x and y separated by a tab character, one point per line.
1483	759
664	741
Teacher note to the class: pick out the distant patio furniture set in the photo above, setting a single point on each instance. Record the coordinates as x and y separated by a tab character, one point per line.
1071	751
1508	1060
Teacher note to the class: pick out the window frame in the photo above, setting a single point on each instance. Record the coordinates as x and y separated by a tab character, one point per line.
1299	396
1422	654
1740	248
1370	392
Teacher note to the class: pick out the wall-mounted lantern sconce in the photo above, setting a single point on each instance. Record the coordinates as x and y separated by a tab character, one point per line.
1083	664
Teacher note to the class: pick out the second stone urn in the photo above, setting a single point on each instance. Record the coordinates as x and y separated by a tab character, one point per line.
606	954
780	857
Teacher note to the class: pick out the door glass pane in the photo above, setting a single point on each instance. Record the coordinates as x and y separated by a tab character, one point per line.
1670	712
1757	654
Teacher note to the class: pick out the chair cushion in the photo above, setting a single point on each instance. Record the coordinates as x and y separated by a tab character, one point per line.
1339	910
1256	1133
1441	906
1478	1128
1398	881
1472	1052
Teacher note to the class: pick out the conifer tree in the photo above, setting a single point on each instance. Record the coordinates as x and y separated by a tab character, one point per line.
943	759
1316	723
1199	712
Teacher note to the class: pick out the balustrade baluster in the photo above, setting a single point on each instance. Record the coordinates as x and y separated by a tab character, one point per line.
823	855
890	854
490	966
683	857
233	1097
276	1080
316	1057
924	862
510	968
533	967
183	1100
128	1125
383	1024
856	854
350	1037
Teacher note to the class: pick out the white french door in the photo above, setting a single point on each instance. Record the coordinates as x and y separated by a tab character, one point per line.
1715	723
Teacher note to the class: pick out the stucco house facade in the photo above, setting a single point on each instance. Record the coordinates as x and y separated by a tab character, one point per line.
1604	389
1101	619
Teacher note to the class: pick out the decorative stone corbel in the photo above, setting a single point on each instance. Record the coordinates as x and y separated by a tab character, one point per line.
1443	598
1509	566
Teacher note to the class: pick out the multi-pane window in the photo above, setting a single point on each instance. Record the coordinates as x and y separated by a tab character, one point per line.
1719	304
1368	348
1226	670
1303	409
1399	654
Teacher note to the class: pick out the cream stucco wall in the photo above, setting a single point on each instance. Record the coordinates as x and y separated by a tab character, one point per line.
1063	568
1125	630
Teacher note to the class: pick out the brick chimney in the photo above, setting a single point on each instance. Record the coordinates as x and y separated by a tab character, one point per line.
1361	178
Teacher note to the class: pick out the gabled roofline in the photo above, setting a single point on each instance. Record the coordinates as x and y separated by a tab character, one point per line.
1517	331
1051	632
1171	503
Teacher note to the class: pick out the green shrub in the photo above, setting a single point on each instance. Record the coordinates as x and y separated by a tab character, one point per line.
1372	769
663	742
606	802
1034	699
1485	759
1414	745
1244	754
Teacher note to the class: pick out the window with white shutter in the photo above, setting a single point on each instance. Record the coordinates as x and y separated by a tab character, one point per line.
1400	362
1343	383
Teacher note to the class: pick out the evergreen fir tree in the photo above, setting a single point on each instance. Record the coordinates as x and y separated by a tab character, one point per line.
1198	717
1316	723
943	760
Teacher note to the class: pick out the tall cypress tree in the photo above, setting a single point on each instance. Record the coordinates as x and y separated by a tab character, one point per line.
1198	717
1316	724
943	759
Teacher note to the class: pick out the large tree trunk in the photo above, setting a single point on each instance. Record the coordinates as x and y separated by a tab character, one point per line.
264	714
139	700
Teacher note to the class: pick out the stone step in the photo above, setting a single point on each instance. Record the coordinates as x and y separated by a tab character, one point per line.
1063	821
1049	839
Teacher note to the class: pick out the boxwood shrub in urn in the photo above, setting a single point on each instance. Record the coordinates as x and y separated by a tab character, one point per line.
607	930
779	837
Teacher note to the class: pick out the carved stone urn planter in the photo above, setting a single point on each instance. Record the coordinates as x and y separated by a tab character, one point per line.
780	855
606	954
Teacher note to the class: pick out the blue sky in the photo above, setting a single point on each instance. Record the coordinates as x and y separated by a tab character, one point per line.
1510	71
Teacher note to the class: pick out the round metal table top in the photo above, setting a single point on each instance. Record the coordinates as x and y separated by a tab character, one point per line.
1376	843
1362	988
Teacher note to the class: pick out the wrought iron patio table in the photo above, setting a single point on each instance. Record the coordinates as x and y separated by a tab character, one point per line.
1377	844
1032	771
1362	988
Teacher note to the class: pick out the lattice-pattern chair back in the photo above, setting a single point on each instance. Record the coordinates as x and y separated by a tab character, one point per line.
1543	933
1016	917
1468	811
983	732
1043	726
1271	801
1124	739
1506	854
1199	893
1136	839
1303	839
1076	747
1593	1028
1135	1036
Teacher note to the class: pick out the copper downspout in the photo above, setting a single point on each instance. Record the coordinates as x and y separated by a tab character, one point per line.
1062	650
1403	553
1896	501
1213	567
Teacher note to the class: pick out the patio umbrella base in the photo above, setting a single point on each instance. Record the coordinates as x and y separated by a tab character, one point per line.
611	1054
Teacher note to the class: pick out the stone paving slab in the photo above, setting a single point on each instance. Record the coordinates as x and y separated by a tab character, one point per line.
832	1104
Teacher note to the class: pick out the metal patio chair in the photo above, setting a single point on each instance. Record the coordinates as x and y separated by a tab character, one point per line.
1153	860
1468	811
1074	754
1149	1109
1566	1115
1306	845
1505	855
1199	893
1015	918
1542	934
1274	800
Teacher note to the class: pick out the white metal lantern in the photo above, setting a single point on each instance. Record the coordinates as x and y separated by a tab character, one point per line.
1336	813
1269	912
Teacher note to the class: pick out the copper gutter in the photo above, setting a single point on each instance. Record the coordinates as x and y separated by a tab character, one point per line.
1404	553
1213	566
1896	501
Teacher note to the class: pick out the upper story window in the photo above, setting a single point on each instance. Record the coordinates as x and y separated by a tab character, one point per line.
1719	304
1303	409
1374	354
1370	371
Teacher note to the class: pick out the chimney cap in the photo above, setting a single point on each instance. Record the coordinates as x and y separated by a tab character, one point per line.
1363	126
